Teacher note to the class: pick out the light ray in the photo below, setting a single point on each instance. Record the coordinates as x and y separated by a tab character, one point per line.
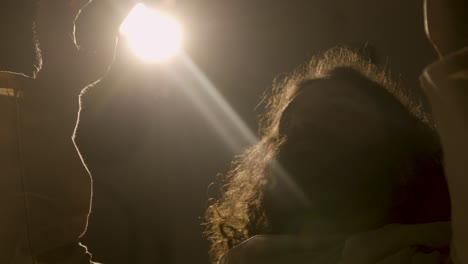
157	37
223	118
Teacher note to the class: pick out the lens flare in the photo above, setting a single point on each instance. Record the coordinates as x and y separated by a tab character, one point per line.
152	36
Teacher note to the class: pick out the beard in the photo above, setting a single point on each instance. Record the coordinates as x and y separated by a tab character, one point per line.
19	47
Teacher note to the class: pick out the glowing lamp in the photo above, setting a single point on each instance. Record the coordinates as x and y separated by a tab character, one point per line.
152	36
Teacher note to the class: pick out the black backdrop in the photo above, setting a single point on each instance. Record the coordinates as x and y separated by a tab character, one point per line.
153	155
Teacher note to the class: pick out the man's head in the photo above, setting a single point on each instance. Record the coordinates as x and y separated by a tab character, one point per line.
355	150
353	143
19	45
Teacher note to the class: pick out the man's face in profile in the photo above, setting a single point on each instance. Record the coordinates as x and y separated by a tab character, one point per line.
18	45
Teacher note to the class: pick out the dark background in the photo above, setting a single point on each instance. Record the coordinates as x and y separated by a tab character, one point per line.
151	152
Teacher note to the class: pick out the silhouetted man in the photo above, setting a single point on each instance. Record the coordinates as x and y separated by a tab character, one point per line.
45	190
320	126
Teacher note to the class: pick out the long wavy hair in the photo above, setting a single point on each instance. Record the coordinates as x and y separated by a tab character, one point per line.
240	211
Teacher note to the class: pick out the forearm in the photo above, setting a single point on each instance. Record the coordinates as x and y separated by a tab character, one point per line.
446	85
44	188
12	209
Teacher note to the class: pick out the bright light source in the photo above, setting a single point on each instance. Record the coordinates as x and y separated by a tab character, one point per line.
152	36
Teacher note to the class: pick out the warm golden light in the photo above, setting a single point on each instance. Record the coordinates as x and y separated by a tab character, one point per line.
152	36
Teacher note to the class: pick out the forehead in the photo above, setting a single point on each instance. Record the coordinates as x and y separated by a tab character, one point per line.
331	106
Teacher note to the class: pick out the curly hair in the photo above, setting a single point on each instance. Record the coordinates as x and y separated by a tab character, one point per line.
240	213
